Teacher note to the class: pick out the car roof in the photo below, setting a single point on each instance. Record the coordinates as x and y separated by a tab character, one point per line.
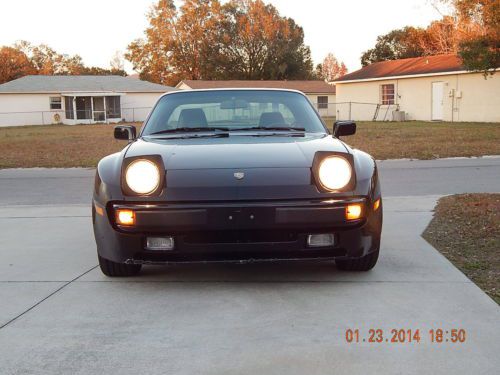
233	89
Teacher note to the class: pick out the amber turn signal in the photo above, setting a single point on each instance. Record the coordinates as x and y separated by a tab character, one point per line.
98	209
353	211
376	205
125	217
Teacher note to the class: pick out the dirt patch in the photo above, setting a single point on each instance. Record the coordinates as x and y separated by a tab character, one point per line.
466	230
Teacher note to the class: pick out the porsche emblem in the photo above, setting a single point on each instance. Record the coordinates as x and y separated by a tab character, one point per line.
239	175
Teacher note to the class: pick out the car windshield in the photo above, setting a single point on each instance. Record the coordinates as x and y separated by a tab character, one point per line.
242	110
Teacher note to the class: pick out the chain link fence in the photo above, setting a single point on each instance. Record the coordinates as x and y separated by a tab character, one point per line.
85	116
356	111
328	110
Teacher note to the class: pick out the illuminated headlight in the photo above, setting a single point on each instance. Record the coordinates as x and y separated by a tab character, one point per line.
142	176
334	172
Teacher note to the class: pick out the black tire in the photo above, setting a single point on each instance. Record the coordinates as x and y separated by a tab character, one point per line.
113	269
365	263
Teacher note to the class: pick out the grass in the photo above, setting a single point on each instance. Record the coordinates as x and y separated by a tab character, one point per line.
84	145
426	140
466	230
58	146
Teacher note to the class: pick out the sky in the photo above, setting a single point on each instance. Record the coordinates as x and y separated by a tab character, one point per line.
96	29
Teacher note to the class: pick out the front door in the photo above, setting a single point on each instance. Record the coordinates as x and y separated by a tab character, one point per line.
437	101
83	108
99	113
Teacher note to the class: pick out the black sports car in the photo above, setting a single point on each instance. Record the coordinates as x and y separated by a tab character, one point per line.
236	176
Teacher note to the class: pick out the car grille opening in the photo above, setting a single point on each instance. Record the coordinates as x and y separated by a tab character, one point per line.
240	237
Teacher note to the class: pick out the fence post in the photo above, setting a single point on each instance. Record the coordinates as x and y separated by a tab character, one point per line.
133	114
43	121
350	103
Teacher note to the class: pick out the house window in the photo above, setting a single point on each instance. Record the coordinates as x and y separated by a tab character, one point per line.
322	102
55	102
113	107
387	94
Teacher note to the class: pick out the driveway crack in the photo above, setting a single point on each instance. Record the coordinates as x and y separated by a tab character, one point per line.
47	297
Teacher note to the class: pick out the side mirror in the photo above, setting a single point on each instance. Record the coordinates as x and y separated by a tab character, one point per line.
341	128
125	132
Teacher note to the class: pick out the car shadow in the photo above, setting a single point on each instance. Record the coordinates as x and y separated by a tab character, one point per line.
310	271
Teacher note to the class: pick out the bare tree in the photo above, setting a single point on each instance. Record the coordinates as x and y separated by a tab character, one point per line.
331	68
117	62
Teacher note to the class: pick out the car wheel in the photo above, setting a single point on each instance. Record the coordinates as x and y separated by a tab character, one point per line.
114	269
365	263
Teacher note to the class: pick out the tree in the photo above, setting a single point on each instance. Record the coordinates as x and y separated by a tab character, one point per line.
331	69
96	71
43	58
471	31
179	43
397	44
116	62
24	58
264	45
479	33
49	62
14	64
440	37
243	39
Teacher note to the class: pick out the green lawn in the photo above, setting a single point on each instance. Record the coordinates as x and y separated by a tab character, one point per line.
84	145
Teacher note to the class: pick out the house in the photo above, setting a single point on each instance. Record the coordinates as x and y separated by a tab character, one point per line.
41	100
431	88
320	93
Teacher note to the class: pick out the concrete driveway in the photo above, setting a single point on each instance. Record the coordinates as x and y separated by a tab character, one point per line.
60	315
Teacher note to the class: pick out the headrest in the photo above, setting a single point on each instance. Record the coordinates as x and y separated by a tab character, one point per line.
192	118
271	118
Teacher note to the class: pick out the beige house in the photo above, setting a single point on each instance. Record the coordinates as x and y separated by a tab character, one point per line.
432	88
320	93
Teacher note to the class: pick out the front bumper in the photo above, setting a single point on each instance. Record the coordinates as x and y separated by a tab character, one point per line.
236	231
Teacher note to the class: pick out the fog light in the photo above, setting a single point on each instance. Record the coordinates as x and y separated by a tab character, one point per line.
125	217
353	211
321	240
159	243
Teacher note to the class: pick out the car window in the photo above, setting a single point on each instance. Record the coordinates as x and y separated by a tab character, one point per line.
233	109
217	116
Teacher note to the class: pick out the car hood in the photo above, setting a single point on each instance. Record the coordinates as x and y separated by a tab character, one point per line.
236	151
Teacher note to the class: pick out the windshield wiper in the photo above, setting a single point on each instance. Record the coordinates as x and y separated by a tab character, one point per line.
189	130
190	136
272	128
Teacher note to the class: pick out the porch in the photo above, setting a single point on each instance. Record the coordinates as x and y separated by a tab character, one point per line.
92	108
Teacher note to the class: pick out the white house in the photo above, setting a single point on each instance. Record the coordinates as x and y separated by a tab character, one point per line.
41	100
431	88
320	93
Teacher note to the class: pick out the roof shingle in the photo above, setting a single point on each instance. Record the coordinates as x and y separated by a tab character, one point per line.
307	87
407	67
60	84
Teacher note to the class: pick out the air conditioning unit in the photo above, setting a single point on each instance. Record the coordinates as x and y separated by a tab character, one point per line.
398	116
